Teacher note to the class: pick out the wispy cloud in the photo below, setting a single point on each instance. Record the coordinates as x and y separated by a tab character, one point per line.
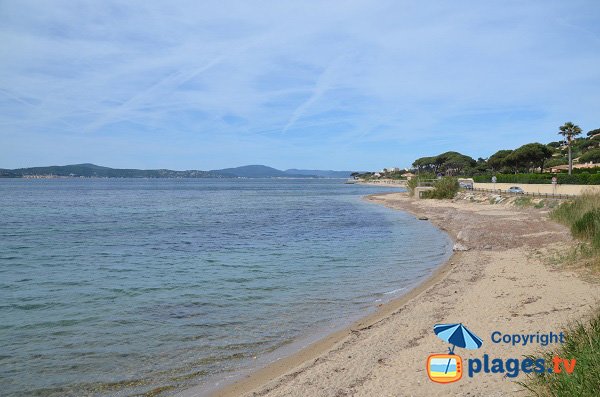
149	95
322	84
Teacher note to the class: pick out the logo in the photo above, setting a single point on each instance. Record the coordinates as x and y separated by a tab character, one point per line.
444	368
448	368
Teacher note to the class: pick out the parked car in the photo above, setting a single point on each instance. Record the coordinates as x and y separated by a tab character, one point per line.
465	185
516	190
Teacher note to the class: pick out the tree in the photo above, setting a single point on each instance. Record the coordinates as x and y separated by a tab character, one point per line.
593	132
569	130
588	144
425	164
498	159
555	145
452	163
532	155
591	155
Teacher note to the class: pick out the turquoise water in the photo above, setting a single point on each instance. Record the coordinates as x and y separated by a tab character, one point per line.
121	286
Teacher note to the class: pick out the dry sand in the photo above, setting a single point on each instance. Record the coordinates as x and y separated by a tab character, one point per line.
502	283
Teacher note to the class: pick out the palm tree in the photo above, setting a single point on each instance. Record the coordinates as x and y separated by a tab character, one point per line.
569	130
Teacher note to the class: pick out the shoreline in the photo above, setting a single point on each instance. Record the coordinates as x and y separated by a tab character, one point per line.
367	357
263	374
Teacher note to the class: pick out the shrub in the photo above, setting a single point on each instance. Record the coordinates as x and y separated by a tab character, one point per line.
444	188
582	342
522	201
515	178
588	227
569	212
578	178
411	185
582	215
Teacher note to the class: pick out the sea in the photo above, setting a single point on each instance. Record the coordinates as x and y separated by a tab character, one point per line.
127	287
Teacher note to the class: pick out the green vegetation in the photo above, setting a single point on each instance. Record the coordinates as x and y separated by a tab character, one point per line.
528	163
451	163
582	215
581	177
525	164
411	185
522	201
591	155
569	131
414	182
593	132
588	227
582	342
443	188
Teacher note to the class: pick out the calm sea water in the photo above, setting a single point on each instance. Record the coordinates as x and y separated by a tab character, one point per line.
120	287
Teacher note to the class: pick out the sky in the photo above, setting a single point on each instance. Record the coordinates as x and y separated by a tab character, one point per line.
347	85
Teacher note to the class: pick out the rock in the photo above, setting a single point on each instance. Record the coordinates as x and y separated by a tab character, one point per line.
459	247
487	247
423	218
462	236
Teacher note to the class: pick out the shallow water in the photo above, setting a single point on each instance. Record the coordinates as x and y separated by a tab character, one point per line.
121	286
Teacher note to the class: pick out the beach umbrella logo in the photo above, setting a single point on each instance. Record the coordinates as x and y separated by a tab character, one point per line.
447	368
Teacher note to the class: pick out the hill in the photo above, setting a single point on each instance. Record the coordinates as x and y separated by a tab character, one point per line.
261	171
96	171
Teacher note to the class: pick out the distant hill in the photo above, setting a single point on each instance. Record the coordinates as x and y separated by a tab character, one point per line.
261	171
96	171
320	173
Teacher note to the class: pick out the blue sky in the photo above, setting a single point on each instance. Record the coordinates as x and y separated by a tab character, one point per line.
291	84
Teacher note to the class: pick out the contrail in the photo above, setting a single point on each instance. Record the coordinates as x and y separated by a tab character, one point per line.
322	84
173	80
24	102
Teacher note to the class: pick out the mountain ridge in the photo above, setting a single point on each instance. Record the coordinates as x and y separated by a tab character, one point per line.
90	170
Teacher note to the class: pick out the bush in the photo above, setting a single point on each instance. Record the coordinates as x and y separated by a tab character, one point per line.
579	178
522	201
515	178
582	343
444	188
582	215
588	227
411	185
569	212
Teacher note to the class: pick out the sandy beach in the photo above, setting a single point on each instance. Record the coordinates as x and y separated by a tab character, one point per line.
503	282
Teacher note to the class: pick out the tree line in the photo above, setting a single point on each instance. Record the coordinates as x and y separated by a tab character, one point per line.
531	157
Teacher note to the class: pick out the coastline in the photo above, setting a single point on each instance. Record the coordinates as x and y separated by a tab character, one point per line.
269	370
374	355
384	182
